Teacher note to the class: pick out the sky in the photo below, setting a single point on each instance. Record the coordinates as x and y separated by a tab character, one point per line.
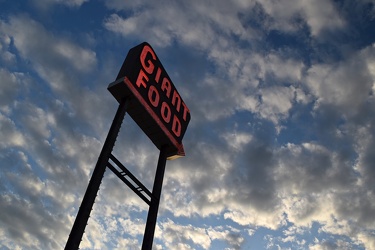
279	149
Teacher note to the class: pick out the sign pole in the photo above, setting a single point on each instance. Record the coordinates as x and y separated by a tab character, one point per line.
83	215
155	199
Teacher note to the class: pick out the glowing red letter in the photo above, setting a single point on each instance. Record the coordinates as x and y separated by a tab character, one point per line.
185	110
166	87
166	116
149	67
176	96
140	80
176	126
151	91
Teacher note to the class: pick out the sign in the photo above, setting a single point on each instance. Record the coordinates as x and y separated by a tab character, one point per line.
155	104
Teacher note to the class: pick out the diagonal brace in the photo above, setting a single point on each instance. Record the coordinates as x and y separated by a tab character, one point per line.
135	185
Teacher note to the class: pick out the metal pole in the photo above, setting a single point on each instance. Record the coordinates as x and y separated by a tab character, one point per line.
155	199
83	215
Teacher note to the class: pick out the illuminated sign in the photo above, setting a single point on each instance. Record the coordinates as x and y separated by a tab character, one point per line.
155	105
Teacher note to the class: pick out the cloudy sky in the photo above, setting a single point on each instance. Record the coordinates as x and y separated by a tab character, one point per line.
280	147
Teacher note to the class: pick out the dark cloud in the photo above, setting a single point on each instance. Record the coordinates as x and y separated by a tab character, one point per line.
251	178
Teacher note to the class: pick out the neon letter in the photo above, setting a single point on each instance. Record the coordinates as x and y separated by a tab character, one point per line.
176	96
149	67
140	80
157	77
166	117
176	126
185	110
166	87
151	91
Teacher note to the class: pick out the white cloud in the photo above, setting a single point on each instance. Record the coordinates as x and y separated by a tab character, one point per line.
25	215
5	55
62	64
276	102
305	209
237	140
330	244
284	68
10	87
82	59
95	236
119	25
347	84
251	216
134	228
127	244
322	187
35	43
10	135
173	233
367	239
319	15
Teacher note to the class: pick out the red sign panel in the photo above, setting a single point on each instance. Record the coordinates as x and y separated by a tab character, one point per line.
154	103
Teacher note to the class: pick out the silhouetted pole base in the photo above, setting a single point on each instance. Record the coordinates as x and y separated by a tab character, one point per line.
83	215
155	199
